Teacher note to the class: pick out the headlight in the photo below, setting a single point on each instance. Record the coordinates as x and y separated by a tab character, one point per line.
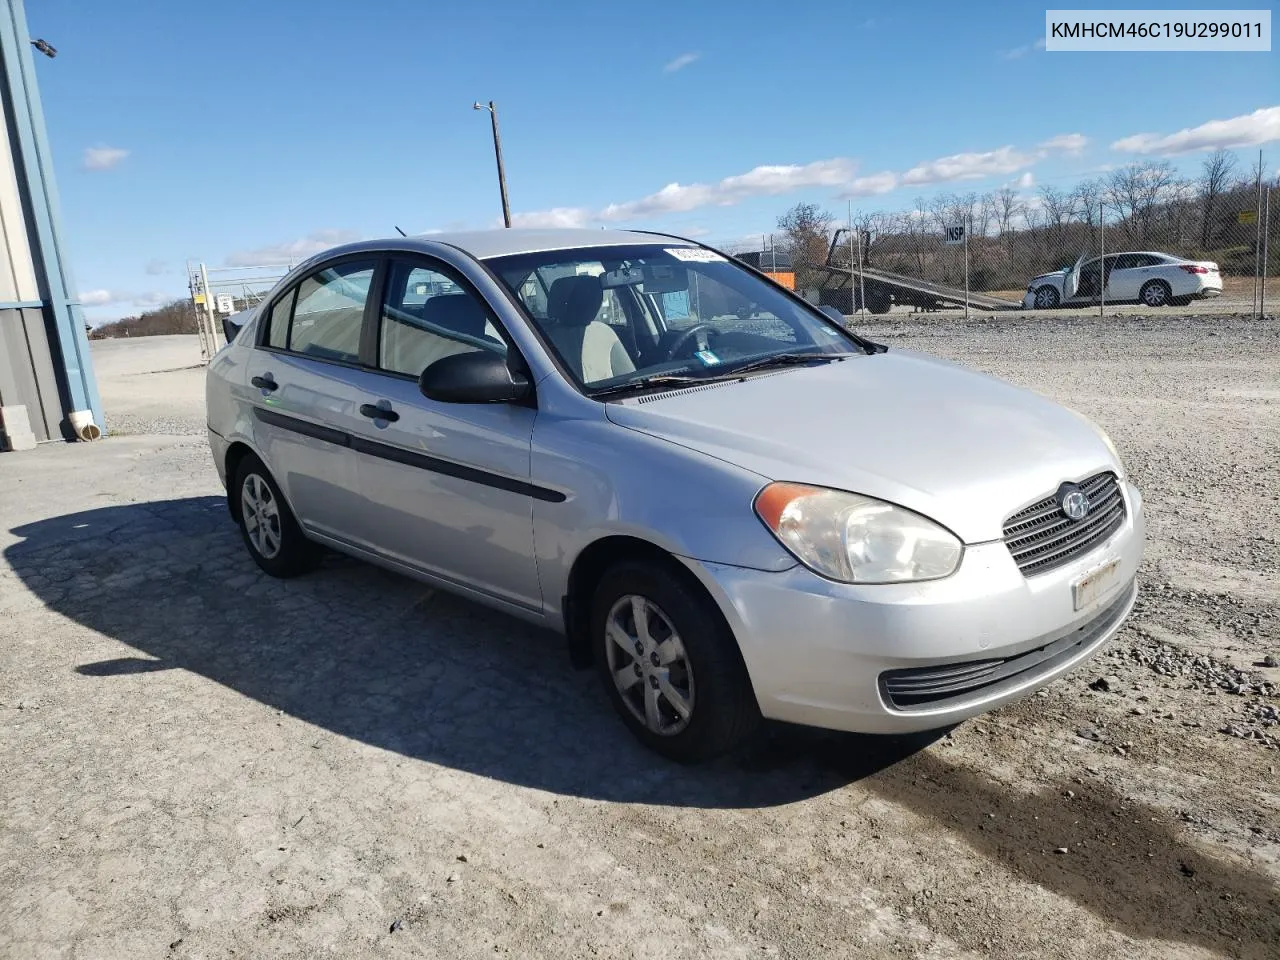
857	539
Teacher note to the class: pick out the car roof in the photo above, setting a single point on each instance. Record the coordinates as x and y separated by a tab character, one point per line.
484	244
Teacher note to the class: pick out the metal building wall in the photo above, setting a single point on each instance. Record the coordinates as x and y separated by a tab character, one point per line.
44	352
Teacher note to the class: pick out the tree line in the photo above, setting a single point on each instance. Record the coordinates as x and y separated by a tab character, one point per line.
1013	237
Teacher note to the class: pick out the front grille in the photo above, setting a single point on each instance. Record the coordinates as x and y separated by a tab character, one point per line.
954	684
1042	538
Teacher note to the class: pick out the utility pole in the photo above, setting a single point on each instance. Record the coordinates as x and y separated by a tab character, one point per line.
497	152
1266	235
1257	246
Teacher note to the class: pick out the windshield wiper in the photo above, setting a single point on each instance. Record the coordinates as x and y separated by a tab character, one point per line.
787	360
657	380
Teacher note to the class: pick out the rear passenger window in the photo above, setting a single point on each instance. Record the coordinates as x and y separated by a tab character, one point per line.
329	312
278	324
427	316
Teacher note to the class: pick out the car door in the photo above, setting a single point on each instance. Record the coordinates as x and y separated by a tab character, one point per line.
446	485
1082	282
1127	276
303	386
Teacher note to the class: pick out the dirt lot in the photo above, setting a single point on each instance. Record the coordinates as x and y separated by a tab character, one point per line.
201	762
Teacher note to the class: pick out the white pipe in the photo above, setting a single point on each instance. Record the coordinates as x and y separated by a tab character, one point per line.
83	425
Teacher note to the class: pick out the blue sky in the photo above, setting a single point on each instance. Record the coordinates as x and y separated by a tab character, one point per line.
235	131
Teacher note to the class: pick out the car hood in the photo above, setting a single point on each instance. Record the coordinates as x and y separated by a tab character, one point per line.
960	447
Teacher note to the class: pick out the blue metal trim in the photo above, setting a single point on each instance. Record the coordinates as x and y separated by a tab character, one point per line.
36	174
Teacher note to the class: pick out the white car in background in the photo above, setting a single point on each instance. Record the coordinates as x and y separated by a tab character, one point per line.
1146	277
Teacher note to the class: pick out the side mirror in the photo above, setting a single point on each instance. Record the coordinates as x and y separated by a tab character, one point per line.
834	313
477	377
233	324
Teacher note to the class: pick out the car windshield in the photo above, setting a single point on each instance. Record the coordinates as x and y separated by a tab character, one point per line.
630	315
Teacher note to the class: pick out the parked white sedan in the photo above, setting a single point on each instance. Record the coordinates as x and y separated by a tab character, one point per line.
1150	278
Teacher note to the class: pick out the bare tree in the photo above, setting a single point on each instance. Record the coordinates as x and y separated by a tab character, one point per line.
808	232
984	214
1008	207
915	227
1136	191
1088	201
871	227
1059	209
1217	174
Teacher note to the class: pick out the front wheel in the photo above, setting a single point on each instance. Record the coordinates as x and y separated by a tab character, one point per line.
1155	293
1046	298
670	665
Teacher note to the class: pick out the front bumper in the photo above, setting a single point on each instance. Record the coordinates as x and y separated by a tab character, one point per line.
816	650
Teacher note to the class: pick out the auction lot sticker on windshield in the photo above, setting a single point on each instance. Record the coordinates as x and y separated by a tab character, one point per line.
694	255
1095	583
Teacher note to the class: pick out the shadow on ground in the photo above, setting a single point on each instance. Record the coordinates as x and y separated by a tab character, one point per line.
384	660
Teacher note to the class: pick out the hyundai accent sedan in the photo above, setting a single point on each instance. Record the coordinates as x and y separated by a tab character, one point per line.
731	505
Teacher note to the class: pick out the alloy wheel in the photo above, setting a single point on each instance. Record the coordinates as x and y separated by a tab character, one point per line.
1153	295
261	516
1046	298
649	665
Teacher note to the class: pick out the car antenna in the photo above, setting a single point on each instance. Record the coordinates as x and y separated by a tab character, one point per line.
401	232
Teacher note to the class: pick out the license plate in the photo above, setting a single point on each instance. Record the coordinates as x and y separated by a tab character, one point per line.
1095	583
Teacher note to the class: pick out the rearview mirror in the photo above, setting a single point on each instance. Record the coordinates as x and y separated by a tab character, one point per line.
477	377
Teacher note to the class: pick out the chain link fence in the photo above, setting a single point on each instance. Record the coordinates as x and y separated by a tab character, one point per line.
904	259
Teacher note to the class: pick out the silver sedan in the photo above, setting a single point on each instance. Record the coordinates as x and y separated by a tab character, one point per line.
731	505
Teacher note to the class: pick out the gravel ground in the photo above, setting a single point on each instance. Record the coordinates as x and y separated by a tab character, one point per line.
201	762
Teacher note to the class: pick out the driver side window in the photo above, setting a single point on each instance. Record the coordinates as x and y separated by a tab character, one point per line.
426	316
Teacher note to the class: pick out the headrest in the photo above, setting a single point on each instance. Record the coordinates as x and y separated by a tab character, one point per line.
575	301
458	312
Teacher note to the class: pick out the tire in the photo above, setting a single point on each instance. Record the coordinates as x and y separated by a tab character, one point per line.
270	531
1155	293
879	303
703	670
1047	298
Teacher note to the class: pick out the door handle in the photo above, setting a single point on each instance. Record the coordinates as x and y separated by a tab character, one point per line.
375	412
265	382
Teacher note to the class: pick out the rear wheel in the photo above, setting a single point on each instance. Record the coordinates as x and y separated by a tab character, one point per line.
879	302
1046	298
270	530
1155	293
670	665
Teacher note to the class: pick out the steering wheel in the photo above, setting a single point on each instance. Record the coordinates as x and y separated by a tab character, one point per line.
686	335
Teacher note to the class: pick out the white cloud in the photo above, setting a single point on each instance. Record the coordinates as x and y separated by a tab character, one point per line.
291	251
1073	143
1247	130
870	186
762	181
1017	53
967	166
556	217
1025	182
680	62
102	158
117	298
773	180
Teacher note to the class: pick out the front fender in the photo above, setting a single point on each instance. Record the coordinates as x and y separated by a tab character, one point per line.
620	482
